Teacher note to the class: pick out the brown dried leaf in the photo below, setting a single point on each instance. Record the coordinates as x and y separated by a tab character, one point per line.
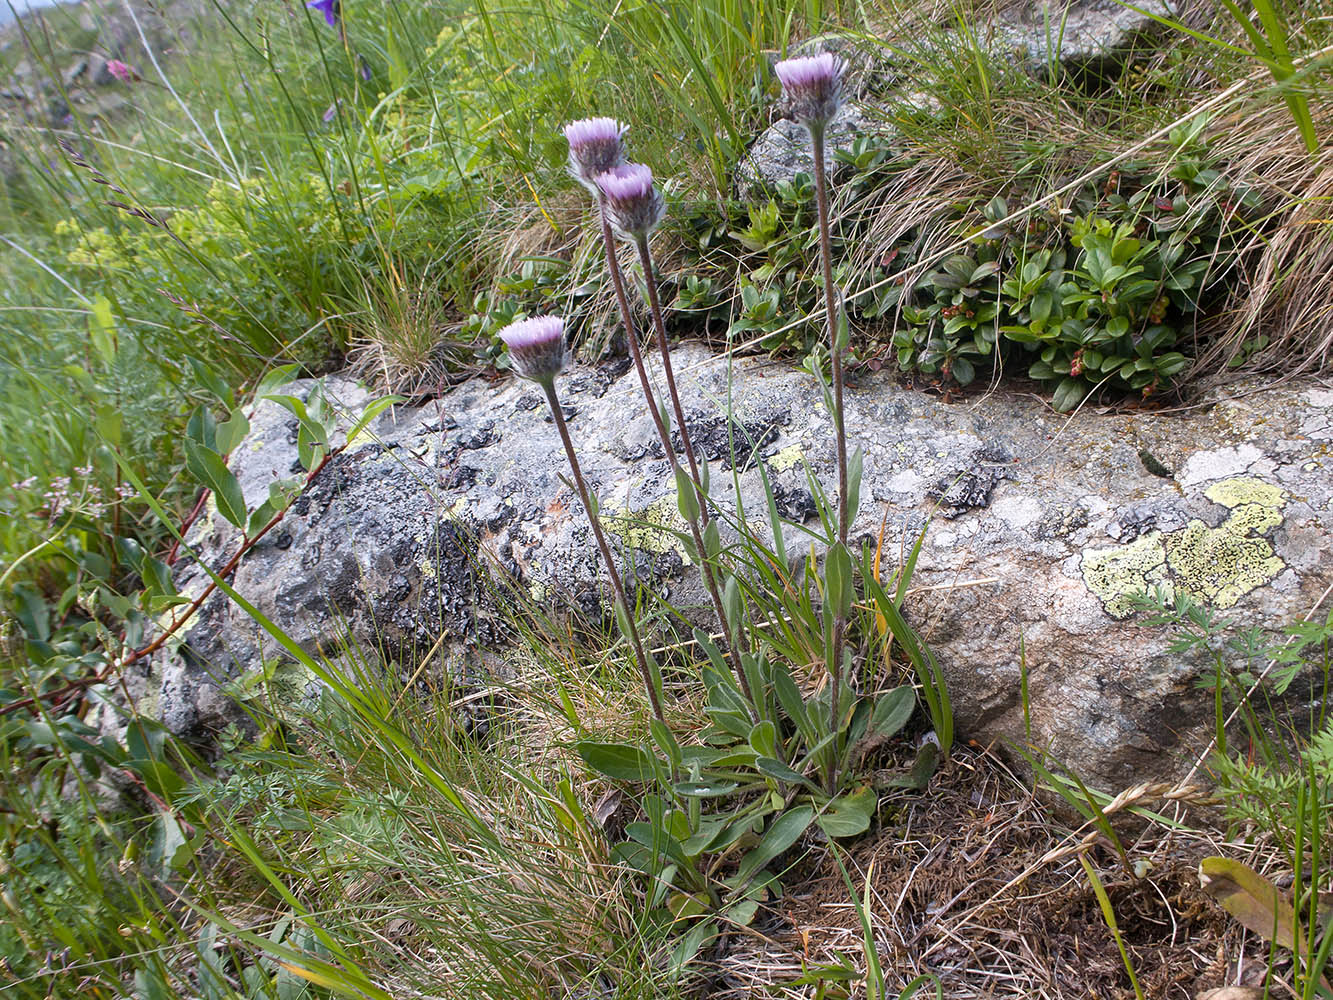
1251	899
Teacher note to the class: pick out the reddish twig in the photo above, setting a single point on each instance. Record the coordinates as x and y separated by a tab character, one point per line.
57	696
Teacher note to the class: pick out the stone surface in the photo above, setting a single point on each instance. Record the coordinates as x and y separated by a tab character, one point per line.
1041	527
1078	36
783	150
1087	40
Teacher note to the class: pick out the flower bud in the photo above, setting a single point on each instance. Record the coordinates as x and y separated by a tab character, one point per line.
594	148
632	200
536	347
812	87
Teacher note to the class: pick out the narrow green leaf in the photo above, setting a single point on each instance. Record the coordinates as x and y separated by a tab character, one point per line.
686	498
780	835
892	710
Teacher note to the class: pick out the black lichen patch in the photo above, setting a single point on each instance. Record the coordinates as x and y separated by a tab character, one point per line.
715	436
796	504
966	489
477	437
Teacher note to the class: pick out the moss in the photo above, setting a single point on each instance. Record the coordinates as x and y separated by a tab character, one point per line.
1123	572
651	529
1217	566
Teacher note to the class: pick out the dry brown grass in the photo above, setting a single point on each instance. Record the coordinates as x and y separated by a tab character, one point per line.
1284	288
979	884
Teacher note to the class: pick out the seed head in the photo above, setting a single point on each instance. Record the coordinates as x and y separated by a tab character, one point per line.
536	347
594	148
812	87
632	200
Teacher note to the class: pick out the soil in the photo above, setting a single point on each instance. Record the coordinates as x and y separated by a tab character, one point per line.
962	886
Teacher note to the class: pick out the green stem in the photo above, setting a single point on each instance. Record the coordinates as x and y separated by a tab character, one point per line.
558	416
835	355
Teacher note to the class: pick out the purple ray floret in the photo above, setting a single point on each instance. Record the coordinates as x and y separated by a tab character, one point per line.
632	200
329	8
536	346
812	86
594	148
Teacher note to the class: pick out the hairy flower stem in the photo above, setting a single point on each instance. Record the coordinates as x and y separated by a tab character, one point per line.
835	356
659	328
558	416
664	435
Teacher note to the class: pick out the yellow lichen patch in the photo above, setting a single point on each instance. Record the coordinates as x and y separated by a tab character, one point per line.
1119	574
1241	490
787	458
1217	566
650	529
1221	565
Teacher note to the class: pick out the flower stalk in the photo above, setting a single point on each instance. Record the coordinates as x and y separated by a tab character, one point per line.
536	347
628	201
812	87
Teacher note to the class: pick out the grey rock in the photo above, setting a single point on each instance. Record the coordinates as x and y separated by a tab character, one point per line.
783	150
1078	36
1068	38
1058	525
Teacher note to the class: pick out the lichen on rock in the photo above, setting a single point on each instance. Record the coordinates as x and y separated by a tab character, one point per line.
1121	573
655	528
1221	565
1217	566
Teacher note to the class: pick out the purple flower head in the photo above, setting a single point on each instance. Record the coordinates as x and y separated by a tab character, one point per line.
632	200
594	148
329	8
121	71
537	347
812	86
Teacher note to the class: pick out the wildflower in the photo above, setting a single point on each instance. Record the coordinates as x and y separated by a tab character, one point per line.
537	347
331	112
594	148
22	486
812	86
329	8
122	72
632	200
